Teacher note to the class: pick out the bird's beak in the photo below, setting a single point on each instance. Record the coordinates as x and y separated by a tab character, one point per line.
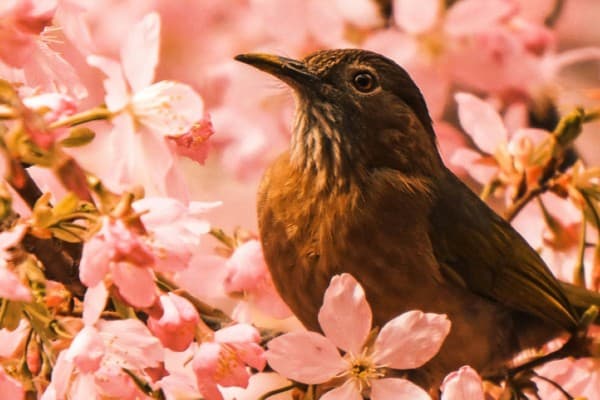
292	72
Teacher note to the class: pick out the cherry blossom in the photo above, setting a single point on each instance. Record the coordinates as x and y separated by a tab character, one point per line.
247	273
148	115
580	378
405	342
123	253
10	387
176	326
94	363
223	360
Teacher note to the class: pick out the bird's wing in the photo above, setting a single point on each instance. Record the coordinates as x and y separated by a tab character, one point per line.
480	250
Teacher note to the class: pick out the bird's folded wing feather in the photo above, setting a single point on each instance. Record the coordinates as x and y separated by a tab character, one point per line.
490	258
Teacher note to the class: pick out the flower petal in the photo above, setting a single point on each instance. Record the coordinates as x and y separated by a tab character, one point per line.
345	316
306	357
481	168
416	16
168	108
396	388
348	391
115	86
136	284
410	340
460	21
139	53
464	383
94	302
481	122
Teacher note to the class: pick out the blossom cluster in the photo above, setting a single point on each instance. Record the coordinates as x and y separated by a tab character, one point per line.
129	138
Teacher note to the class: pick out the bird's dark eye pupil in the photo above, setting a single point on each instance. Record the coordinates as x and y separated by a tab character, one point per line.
364	81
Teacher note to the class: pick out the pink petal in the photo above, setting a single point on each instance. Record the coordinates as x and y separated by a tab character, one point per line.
94	302
205	365
136	284
95	261
61	376
87	350
475	164
410	340
361	13
139	53
306	357
238	333
463	384
348	391
345	316
416	16
460	18
10	387
481	122
117	95
396	388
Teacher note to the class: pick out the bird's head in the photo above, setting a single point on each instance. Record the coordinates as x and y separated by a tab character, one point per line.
356	111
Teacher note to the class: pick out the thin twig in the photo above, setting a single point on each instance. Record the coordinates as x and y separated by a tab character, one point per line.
554	14
517	206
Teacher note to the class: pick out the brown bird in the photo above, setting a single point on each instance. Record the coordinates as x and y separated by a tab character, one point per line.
363	190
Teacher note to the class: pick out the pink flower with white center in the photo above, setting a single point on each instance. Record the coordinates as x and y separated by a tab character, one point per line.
10	387
465	383
223	360
405	342
175	229
119	255
177	325
10	285
92	367
247	273
147	115
504	155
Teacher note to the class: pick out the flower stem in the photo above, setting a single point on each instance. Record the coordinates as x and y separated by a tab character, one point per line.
277	391
82	117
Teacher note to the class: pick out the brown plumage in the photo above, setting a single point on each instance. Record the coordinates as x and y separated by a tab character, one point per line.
363	190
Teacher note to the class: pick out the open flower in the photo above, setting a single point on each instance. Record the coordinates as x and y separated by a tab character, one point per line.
149	115
223	361
406	342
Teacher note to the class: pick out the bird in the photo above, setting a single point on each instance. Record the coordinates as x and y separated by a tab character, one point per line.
363	189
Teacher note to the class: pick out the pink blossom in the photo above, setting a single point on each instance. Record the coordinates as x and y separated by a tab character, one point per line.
177	325
405	342
120	251
465	383
146	114
176	229
10	387
93	365
579	377
504	155
223	361
247	273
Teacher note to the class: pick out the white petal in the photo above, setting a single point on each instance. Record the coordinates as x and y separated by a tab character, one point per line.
305	357
347	391
168	108
117	95
460	18
410	340
481	122
395	388
94	302
345	316
139	54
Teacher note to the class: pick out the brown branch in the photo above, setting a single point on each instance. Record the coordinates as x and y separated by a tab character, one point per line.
518	205
23	184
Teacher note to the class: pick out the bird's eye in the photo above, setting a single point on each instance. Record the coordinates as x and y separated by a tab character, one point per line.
364	81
